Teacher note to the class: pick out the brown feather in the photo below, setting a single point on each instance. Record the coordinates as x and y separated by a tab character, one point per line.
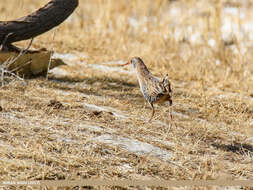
153	89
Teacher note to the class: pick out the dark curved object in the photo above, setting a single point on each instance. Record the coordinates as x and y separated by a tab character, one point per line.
39	22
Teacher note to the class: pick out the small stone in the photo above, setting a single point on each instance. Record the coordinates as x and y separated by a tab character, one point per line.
97	112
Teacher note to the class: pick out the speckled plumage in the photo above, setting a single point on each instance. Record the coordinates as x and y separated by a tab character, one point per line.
154	90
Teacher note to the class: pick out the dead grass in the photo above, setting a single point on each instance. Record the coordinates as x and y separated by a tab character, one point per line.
44	125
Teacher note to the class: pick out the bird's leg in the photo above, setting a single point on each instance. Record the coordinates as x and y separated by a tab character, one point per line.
170	113
153	112
170	108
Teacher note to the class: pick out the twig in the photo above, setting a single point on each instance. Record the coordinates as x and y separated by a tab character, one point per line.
2	76
4	68
22	52
51	54
15	75
20	66
4	41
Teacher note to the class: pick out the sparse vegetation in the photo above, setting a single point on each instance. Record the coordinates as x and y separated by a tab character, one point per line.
49	129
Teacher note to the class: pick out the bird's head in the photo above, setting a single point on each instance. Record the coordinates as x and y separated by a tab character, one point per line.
134	61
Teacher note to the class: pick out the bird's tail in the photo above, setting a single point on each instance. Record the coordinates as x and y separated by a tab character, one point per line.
167	88
166	83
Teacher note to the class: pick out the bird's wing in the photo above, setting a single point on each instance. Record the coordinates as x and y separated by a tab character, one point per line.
155	89
166	83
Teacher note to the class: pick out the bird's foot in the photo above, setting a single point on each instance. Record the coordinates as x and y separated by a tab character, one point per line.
150	120
171	117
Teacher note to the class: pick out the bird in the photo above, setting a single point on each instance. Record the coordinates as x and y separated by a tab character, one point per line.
154	89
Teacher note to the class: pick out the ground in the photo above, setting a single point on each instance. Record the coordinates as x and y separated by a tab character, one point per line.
89	120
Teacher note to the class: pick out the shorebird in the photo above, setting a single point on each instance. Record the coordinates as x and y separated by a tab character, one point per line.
154	90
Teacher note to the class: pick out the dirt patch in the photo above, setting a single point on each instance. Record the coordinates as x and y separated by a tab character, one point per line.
55	104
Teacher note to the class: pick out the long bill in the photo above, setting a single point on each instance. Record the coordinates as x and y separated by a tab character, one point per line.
126	64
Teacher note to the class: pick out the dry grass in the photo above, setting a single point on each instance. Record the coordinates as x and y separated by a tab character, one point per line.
44	127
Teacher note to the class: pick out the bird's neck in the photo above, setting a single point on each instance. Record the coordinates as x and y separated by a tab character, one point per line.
142	73
142	70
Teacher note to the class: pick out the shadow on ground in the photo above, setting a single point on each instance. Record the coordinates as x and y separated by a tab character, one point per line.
237	148
101	86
